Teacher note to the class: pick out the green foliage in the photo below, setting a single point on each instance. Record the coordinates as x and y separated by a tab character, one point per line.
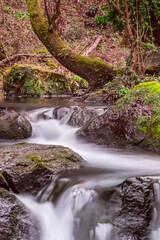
51	64
123	91
20	15
140	13
7	9
101	48
45	51
81	81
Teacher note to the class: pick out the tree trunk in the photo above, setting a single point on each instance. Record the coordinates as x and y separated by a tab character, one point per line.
2	53
95	72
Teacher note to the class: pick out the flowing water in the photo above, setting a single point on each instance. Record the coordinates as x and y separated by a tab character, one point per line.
59	216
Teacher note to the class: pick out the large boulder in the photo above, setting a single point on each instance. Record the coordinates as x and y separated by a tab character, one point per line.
13	125
30	79
76	116
16	221
27	168
152	62
133	122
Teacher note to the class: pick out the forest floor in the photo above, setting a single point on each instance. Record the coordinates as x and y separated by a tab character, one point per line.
76	26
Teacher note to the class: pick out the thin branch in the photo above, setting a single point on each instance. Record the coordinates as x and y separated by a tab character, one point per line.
57	10
47	13
19	56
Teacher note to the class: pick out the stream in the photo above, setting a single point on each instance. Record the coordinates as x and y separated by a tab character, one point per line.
77	212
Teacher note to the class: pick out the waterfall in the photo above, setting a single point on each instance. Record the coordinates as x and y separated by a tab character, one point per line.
79	212
57	132
62	220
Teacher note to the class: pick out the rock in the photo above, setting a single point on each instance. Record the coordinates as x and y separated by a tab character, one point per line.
16	221
133	122
30	79
152	62
115	129
27	168
134	216
61	112
48	115
14	125
82	115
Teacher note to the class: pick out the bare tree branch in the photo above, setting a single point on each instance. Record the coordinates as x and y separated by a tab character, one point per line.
19	56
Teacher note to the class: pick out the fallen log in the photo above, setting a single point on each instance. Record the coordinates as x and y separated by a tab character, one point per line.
93	46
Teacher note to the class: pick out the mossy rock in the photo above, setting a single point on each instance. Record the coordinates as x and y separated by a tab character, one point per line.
110	92
148	94
16	221
28	167
30	79
133	122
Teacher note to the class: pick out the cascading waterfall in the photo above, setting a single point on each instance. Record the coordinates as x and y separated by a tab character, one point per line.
60	220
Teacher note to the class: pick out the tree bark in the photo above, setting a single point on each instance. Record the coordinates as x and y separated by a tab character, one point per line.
95	72
2	52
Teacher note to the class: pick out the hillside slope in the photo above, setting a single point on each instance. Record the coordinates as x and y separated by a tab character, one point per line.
76	26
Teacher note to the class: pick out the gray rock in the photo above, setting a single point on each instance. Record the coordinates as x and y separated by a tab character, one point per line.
152	61
14	125
82	115
27	168
113	128
133	220
16	221
64	113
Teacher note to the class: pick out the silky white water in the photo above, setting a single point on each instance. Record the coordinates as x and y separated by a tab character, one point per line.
57	132
57	221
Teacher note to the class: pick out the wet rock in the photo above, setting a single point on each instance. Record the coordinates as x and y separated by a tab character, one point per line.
27	168
133	220
82	115
14	125
62	112
48	115
132	122
16	221
115	129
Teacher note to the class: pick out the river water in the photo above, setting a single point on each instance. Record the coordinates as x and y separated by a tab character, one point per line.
59	220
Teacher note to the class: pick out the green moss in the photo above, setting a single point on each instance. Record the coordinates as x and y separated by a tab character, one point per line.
29	79
4	180
35	158
149	95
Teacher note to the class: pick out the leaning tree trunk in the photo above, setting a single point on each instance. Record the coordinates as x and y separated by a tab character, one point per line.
2	52
95	72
